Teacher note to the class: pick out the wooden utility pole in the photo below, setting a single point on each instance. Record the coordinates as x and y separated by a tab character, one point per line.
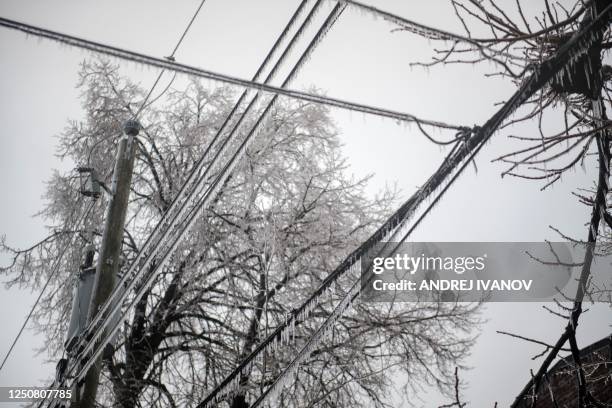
110	250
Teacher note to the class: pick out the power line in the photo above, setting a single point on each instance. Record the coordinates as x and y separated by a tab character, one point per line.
413	26
423	30
433	33
207	74
180	41
54	269
544	73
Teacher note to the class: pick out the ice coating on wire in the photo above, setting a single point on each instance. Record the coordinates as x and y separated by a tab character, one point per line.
422	30
143	59
310	346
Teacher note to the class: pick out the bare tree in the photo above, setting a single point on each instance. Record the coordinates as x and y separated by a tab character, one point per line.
287	215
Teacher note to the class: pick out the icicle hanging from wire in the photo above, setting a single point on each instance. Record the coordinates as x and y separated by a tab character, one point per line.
311	344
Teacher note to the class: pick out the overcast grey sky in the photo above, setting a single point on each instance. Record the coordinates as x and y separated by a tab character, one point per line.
360	60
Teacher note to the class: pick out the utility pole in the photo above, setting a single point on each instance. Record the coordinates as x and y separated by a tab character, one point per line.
110	250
